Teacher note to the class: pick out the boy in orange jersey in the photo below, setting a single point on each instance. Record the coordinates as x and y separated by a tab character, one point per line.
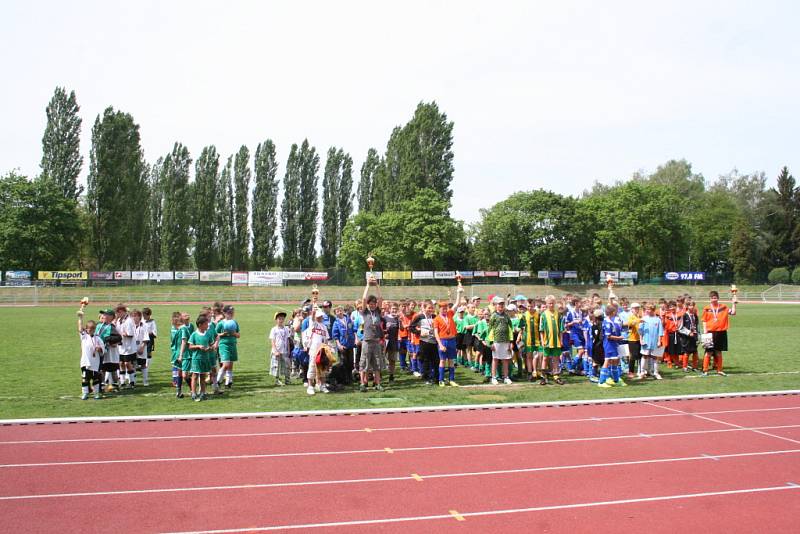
405	320
716	321
672	323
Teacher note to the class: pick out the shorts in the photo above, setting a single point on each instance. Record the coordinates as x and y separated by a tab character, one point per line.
551	352
200	364
655	353
577	341
486	352
228	353
141	362
150	347
720	341
467	339
373	357
674	347
501	351
186	364
391	355
477	344
403	345
413	348
449	352
460	344
623	351
636	350
109	366
87	373
127	358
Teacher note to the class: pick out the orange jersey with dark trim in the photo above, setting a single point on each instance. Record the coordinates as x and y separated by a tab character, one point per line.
716	319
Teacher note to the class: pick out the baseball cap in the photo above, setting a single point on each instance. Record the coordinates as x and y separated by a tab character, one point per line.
461	309
598	312
497	300
521	297
107	311
327	304
512	307
278	314
319	313
227	309
636	305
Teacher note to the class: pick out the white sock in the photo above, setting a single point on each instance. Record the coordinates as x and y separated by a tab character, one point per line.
655	365
97	388
220	374
108	379
228	377
85	390
145	373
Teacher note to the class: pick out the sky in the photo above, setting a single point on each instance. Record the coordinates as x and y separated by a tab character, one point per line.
553	95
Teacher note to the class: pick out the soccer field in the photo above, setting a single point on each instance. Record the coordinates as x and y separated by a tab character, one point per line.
42	378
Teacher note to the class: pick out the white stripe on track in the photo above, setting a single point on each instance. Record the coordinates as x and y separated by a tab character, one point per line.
384	429
702	457
501	512
703	417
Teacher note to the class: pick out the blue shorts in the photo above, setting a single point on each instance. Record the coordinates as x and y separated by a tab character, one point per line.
577	341
413	348
403	345
450	351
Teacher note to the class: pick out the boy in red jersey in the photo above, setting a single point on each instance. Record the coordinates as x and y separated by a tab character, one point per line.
716	321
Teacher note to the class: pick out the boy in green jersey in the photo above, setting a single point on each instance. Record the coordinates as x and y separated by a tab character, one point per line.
227	337
500	331
184	354
201	345
174	348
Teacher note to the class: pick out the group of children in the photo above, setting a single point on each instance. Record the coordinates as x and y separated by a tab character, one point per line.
540	339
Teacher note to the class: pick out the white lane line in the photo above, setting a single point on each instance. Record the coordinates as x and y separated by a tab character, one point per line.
500	512
757	430
404	409
383	450
385	429
416	478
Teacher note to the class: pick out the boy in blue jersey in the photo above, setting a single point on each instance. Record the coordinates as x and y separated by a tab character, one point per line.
612	336
586	338
573	324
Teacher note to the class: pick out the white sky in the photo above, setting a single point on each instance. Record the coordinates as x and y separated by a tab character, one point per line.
543	94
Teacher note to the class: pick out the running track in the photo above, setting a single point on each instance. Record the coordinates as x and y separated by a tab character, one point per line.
712	465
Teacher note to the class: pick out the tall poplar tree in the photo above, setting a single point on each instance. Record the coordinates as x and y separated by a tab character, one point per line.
365	189
265	205
241	181
115	185
175	234
331	180
61	156
152	255
309	205
290	206
345	195
204	214
225	220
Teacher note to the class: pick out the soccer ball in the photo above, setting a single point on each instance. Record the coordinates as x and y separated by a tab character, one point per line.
229	325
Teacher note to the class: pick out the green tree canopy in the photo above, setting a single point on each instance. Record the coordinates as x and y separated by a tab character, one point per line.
61	156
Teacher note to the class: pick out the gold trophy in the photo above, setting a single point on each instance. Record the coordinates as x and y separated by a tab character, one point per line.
610	285
371	264
734	293
459	277
84	303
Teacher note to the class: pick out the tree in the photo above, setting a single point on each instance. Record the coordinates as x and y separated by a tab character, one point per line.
779	275
345	196
39	227
365	190
61	156
425	148
265	205
712	232
154	210
204	214
331	181
225	218
115	186
241	180
308	206
175	236
419	233
782	215
796	275
290	206
743	251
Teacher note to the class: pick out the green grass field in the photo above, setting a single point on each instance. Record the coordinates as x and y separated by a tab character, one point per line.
41	379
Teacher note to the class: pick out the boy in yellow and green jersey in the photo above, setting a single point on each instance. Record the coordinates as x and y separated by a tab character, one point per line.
550	336
529	339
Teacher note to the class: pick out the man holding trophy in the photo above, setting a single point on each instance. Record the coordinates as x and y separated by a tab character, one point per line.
372	359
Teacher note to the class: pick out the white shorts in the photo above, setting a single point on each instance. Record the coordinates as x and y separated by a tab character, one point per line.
656	352
623	351
501	351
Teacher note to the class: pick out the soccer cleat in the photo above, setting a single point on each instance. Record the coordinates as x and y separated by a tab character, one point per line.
362	388
379	387
429	382
146	383
605	385
179	395
441	383
324	389
593	379
310	390
559	381
453	383
194	395
98	396
657	376
686	369
84	396
621	383
722	373
494	381
203	396
197	398
542	381
317	388
417	374
507	381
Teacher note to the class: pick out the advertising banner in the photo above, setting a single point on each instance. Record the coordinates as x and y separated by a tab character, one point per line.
187	275
377	274
693	276
604	275
239	279
139	275
422	275
315	276
524	274
215	276
264	278
493	274
63	275
101	275
542	275
160	275
555	275
122	275
628	275
467	274
293	275
509	274
478	274
18	278
571	274
397	275
444	275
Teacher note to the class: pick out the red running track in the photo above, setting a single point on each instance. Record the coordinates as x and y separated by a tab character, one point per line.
710	465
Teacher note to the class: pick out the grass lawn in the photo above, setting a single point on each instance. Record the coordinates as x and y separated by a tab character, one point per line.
42	379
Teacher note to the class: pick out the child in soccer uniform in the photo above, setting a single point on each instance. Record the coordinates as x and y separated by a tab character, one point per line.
611	372
184	360
175	348
550	335
461	347
141	337
152	334
470	320
111	339
484	351
634	343
402	334
280	356
92	348
586	334
573	321
391	323
314	338
227	338
651	337
528	339
716	322
444	329
672	323
691	322
201	345
127	349
500	332
515	313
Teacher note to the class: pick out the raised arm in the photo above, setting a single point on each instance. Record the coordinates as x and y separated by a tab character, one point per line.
80	321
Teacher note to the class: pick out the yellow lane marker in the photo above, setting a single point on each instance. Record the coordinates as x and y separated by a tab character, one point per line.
458	516
387	449
416	477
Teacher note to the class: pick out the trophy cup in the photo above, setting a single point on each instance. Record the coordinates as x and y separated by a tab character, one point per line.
84	303
459	277
734	293
610	285
371	265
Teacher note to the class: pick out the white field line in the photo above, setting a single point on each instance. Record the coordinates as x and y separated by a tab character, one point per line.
442	408
733	425
501	512
383	429
384	451
702	457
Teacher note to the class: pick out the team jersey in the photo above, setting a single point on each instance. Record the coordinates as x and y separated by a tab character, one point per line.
530	328
610	328
470	320
445	325
481	330
205	339
716	319
633	327
500	329
623	322
460	324
221	327
550	329
651	332
175	340
184	332
90	357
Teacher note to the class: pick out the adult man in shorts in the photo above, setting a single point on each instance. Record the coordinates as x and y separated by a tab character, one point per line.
372	356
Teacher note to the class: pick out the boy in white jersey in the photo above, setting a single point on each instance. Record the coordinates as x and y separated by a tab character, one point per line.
91	354
152	334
